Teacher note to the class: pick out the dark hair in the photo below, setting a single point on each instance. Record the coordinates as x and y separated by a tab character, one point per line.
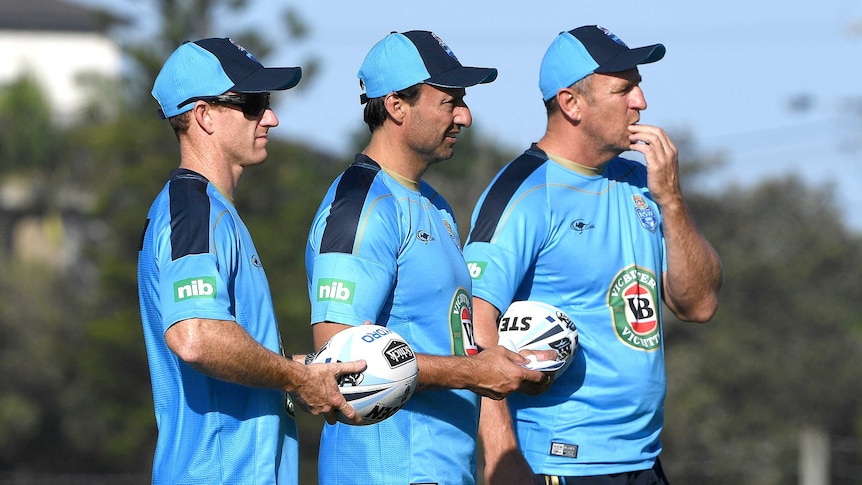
375	109
583	86
180	123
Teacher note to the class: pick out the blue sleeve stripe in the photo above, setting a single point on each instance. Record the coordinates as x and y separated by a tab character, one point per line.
144	235
190	216
501	193
342	223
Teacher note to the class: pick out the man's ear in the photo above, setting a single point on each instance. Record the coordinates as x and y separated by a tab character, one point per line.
202	114
570	102
396	107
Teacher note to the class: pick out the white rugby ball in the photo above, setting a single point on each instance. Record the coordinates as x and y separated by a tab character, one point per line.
533	325
390	378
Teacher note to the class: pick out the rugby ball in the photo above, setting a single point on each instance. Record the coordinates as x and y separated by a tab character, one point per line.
387	382
534	325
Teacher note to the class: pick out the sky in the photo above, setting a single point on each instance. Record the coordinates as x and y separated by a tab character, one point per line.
772	86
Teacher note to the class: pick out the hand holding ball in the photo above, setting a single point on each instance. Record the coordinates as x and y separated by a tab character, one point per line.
390	378
533	325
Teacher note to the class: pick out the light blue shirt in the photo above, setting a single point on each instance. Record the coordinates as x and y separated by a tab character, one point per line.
590	244
388	252
198	261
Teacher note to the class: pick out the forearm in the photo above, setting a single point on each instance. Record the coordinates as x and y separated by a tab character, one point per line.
446	372
495	430
694	273
494	373
460	372
504	462
225	351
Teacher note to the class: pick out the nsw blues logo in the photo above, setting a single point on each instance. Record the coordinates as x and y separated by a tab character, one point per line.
243	50
612	36
645	214
444	46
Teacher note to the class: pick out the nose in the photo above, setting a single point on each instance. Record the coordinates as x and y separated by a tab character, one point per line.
269	118
637	100
463	117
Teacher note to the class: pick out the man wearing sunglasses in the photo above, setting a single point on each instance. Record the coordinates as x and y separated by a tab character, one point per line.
222	388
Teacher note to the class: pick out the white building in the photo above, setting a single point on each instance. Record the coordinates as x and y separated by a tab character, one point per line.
56	42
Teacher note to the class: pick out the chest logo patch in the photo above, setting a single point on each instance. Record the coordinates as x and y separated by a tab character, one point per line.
452	233
645	214
581	225
461	324
424	236
634	301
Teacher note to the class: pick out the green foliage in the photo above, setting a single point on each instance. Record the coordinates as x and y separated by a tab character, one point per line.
277	202
26	129
779	355
461	179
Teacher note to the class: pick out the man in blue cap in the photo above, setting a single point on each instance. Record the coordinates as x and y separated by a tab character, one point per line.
222	387
391	241
606	240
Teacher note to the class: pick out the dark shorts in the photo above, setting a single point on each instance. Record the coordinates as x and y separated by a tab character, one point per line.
653	476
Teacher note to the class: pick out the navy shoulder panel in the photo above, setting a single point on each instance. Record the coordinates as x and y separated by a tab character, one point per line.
502	191
190	214
342	223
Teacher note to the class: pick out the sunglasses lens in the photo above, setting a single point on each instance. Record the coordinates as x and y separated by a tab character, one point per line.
255	104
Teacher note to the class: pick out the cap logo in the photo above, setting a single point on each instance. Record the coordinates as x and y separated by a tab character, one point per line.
243	50
444	46
612	36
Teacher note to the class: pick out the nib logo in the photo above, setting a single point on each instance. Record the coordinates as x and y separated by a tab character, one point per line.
329	289
476	268
202	287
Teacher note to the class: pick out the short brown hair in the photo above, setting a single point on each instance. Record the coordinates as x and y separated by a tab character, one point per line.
584	86
375	109
180	123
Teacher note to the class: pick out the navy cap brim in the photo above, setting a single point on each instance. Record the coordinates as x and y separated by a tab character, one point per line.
463	77
631	58
269	79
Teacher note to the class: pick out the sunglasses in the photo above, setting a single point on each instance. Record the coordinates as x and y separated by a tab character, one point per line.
251	104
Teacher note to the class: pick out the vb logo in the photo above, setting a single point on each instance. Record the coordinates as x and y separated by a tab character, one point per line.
476	268
203	287
329	289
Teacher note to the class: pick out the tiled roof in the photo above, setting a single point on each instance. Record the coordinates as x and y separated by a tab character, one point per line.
52	15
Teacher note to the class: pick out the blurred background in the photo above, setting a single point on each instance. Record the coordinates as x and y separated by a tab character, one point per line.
763	100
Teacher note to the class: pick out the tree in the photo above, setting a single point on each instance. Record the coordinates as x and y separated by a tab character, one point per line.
780	353
22	138
78	398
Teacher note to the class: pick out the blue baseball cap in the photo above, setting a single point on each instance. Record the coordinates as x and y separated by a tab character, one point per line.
401	60
575	54
210	67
